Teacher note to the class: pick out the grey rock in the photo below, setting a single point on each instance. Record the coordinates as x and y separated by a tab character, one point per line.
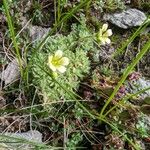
32	135
143	83
11	73
126	19
138	85
37	32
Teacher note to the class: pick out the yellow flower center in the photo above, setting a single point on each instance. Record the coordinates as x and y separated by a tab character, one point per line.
56	61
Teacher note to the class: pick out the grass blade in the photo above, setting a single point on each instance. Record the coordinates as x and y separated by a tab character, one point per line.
126	98
12	33
126	73
64	19
138	31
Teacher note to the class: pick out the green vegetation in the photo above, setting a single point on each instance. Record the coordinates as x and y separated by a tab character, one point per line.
75	80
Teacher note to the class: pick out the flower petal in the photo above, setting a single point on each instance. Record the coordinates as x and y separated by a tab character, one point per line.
61	69
52	67
103	41
108	41
104	27
64	61
50	57
109	32
58	54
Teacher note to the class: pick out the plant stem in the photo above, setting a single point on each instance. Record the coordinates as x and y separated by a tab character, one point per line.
64	19
138	31
12	33
126	98
126	73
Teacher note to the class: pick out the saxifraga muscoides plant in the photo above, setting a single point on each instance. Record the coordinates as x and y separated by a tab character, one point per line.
75	50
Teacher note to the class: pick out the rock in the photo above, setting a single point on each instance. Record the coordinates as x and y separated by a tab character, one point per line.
142	84
11	73
138	85
126	19
37	32
33	136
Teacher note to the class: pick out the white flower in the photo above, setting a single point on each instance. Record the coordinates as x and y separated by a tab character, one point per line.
58	63
103	34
